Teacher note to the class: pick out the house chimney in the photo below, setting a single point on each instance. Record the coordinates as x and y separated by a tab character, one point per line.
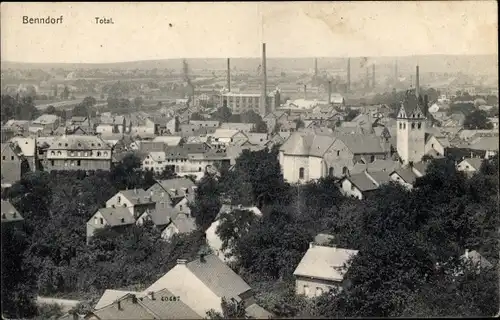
119	304
134	298
263	97
417	84
311	244
181	261
329	91
202	257
305	92
228	75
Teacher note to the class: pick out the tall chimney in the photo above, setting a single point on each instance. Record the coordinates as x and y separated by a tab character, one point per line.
348	74
315	68
417	84
263	98
305	92
373	75
396	75
329	91
367	79
228	75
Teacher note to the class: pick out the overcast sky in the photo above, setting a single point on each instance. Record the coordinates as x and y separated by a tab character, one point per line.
141	31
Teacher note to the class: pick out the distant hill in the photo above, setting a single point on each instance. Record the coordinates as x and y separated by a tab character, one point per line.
468	64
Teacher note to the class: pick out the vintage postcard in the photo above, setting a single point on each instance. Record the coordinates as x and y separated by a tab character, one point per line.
236	160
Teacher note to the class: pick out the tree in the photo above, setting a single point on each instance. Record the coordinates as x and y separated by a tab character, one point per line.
222	114
196	116
299	124
18	278
233	225
65	93
231	309
207	202
89	102
477	120
80	110
138	102
260	127
351	114
51	110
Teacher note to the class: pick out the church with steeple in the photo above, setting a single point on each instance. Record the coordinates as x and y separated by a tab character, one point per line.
411	122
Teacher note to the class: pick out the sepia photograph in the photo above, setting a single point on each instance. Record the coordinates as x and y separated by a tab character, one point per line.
249	160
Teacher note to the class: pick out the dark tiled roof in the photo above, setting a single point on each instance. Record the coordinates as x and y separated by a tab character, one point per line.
407	175
137	196
362	182
217	276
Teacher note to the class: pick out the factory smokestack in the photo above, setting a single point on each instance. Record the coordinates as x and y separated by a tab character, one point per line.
228	74
417	84
396	75
316	68
373	76
263	98
348	74
367	78
329	91
305	92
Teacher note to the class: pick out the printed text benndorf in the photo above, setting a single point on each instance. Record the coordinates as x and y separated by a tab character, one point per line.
46	20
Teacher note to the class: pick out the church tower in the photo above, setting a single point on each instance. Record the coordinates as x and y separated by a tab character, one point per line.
411	128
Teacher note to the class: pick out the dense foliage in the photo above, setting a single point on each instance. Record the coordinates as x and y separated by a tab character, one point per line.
18	108
477	119
56	258
401	236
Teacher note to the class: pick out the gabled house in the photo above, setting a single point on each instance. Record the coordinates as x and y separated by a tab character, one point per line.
161	305
117	218
321	270
407	176
27	146
136	201
242	127
182	223
221	138
11	164
155	161
202	283
438	144
470	165
361	184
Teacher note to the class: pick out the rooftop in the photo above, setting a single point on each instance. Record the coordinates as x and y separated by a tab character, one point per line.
324	263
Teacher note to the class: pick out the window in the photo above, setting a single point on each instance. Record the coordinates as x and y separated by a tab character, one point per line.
79	163
301	173
98	153
11	157
330	172
3	157
338	153
400	125
199	169
101	220
372	158
105	153
180	207
119	199
352	187
95	220
345	170
52	153
59	153
404	125
52	162
413	126
419	125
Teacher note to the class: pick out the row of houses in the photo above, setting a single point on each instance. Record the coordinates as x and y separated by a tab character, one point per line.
165	205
